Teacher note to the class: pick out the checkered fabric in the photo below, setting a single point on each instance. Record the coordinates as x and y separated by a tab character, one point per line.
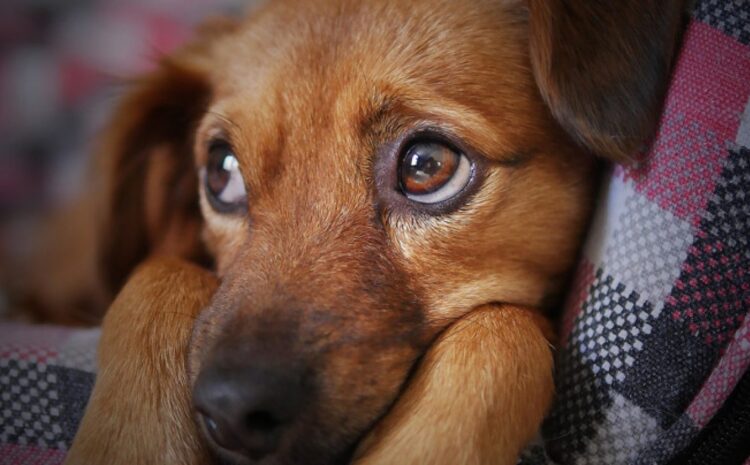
46	376
655	330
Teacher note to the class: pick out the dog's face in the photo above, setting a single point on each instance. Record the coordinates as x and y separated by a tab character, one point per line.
365	180
367	172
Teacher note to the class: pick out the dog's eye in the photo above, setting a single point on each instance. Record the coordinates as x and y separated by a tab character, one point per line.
225	187
432	172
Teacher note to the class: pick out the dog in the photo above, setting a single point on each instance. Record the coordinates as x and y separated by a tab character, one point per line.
348	222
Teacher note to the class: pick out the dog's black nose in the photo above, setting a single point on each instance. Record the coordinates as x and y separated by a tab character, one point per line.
247	409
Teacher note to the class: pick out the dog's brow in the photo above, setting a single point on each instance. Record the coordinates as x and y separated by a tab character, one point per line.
224	118
376	114
386	114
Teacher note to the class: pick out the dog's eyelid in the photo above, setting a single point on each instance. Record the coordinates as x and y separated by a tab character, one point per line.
218	142
482	151
214	127
512	159
217	132
218	121
449	136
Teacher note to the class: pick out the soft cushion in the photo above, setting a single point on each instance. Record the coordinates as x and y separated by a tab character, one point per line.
655	334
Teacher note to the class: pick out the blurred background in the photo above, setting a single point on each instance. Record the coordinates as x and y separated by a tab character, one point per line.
62	66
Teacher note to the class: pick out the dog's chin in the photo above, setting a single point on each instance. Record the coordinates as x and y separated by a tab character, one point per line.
305	449
283	457
224	458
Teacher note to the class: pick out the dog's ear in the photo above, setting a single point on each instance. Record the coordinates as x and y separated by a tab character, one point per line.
149	183
603	66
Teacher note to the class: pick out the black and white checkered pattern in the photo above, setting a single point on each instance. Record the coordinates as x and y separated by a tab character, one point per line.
730	16
30	404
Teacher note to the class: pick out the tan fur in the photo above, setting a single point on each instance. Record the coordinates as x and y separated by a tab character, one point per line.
477	397
140	412
425	330
460	386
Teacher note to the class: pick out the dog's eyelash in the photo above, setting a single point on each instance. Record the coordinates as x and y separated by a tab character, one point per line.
218	141
224	118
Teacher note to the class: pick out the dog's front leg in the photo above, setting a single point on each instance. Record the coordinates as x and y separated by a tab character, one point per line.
477	398
139	412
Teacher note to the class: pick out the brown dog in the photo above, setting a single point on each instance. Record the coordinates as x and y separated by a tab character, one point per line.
384	189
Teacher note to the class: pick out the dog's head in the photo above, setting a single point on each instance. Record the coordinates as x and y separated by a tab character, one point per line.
362	173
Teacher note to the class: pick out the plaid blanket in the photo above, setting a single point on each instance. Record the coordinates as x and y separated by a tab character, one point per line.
655	329
655	334
46	376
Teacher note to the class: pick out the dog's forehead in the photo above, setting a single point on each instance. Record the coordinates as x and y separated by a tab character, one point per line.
312	58
382	29
316	71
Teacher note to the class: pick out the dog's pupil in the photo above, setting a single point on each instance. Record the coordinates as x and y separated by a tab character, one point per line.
217	176
427	167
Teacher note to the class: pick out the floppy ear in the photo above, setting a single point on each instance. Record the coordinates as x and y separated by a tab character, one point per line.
603	66
150	202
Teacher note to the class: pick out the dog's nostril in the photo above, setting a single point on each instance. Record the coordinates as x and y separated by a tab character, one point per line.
261	421
222	437
248	410
211	425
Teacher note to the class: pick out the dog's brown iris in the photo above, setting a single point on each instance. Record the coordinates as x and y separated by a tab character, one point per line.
426	167
217	177
225	187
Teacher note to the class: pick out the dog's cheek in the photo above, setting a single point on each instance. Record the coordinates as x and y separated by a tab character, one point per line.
440	253
512	243
222	235
357	388
364	359
206	331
